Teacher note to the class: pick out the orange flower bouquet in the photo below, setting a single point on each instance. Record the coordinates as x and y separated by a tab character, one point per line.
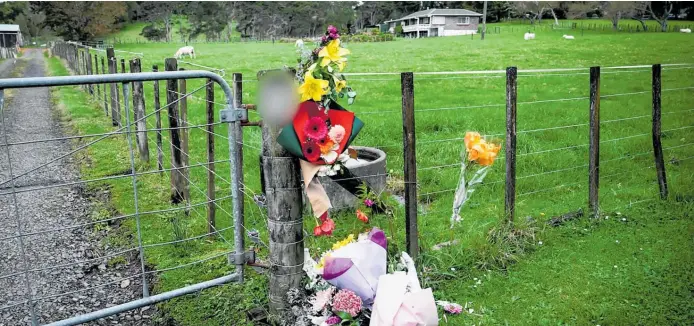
480	157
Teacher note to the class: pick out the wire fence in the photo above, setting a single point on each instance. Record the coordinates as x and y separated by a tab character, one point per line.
166	232
182	239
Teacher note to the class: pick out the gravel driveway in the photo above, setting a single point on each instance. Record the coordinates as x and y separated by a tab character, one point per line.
66	261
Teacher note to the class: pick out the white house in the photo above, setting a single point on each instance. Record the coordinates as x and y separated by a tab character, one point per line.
437	22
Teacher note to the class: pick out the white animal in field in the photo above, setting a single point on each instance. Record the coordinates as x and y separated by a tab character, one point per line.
299	43
186	50
568	37
529	36
685	30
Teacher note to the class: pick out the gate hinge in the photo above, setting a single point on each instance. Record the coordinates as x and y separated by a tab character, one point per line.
244	258
234	115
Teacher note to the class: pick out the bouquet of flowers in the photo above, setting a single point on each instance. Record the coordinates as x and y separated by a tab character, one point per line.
321	130
480	157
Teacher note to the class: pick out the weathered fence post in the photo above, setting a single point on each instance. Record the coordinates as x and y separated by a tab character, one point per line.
657	146
90	71
103	71
157	115
238	102
594	149
96	72
177	178
183	130
511	97
281	175
140	112
410	163
112	69
209	108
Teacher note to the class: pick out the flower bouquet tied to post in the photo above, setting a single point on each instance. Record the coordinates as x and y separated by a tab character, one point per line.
478	157
321	131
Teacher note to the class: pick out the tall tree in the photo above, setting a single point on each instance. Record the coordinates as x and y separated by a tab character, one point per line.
10	10
660	11
616	10
160	11
81	20
207	17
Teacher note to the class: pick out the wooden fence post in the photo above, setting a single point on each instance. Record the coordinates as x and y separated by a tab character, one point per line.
157	115
112	69
410	163
281	175
209	107
511	99
594	150
177	181
139	113
238	101
96	72
103	71
657	146
88	62
183	130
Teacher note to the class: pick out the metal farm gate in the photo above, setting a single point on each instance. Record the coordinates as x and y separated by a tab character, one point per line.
23	269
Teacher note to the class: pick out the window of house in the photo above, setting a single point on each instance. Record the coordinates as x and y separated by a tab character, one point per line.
439	20
463	20
424	20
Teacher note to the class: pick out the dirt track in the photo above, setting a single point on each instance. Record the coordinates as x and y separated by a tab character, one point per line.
51	256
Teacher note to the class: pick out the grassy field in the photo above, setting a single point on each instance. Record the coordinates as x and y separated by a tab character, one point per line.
630	267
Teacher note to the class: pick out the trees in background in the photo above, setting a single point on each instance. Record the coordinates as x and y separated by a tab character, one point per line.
81	20
218	20
660	11
158	13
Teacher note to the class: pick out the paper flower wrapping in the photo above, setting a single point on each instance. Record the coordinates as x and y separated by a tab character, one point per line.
357	266
318	135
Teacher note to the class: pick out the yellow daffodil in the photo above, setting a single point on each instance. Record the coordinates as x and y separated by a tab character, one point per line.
312	88
339	85
342	243
333	53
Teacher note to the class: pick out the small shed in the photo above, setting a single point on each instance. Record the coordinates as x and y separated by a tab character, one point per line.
10	40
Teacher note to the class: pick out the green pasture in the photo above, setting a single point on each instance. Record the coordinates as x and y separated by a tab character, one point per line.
628	267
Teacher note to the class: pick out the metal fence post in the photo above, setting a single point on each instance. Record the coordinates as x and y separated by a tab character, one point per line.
133	171
594	149
511	98
410	163
657	146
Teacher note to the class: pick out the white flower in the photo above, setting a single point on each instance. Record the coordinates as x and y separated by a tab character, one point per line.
539	242
330	157
319	320
336	167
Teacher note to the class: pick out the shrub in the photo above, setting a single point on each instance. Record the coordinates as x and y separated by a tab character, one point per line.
368	38
153	33
399	31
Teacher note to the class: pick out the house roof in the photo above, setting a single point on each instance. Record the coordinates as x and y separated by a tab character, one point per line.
438	12
9	28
